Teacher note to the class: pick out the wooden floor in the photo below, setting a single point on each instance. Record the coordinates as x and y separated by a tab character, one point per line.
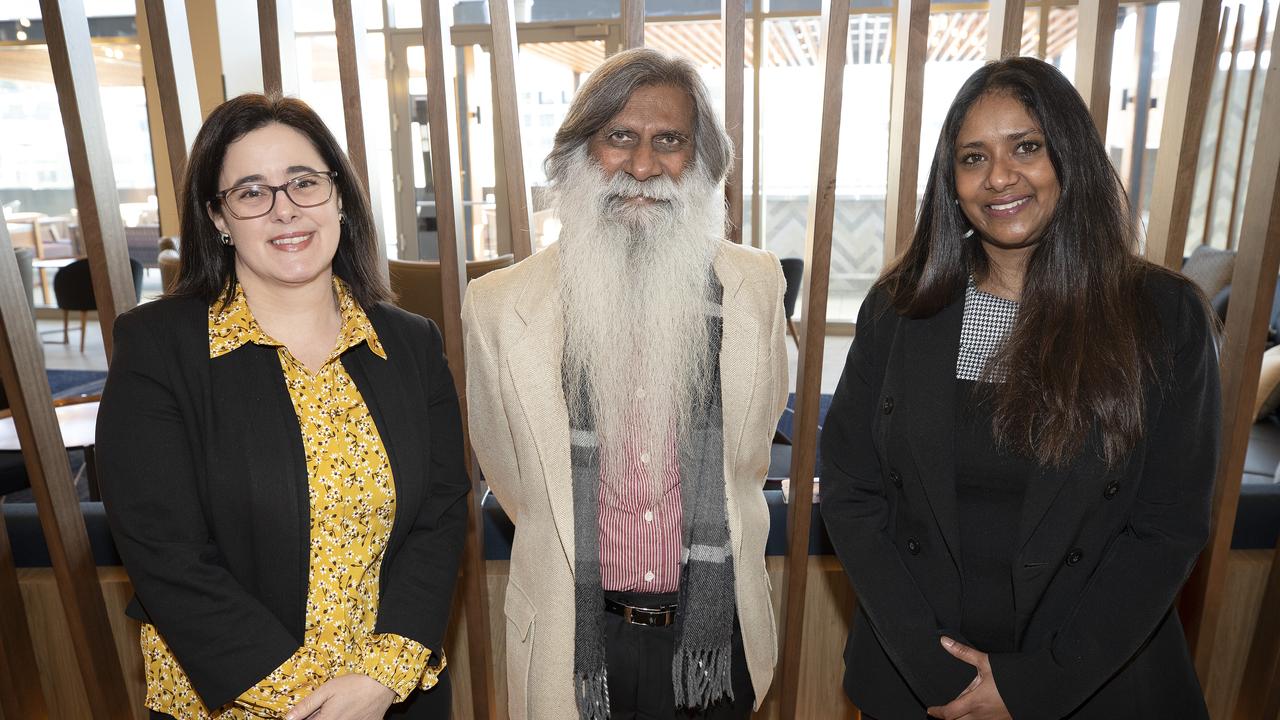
826	624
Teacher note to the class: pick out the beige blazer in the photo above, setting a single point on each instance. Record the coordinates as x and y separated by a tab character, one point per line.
520	431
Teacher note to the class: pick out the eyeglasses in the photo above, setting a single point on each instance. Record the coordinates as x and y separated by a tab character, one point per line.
246	202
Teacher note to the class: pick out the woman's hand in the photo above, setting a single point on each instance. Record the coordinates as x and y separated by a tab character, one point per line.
348	697
981	700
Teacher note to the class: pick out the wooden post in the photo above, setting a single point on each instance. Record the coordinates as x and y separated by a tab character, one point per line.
67	32
1186	101
269	42
441	112
175	70
20	691
817	269
1260	41
1260	685
757	61
1222	122
910	45
506	115
1096	39
23	377
350	39
632	24
734	14
1004	30
1042	32
1253	285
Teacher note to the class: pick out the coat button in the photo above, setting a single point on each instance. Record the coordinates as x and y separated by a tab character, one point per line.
895	477
913	546
1074	556
886	406
1110	491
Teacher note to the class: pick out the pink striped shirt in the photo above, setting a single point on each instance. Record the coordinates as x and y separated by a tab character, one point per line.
640	540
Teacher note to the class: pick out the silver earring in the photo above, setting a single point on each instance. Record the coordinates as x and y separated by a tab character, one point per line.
226	238
342	217
968	234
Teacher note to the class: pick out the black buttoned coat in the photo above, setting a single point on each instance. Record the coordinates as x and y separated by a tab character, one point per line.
1100	552
204	477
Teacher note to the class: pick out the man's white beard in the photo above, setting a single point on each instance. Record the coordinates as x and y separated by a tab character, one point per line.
633	288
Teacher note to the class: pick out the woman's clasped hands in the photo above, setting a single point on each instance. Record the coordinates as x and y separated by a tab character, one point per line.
981	699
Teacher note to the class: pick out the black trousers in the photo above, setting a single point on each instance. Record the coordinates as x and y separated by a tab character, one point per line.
433	704
639	660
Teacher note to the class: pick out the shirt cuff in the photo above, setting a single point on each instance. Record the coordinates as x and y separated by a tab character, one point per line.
401	664
285	686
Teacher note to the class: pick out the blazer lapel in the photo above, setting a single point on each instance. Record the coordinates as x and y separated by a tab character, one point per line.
929	388
387	397
533	366
739	347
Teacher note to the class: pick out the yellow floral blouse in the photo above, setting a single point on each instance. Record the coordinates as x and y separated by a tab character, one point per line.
352	502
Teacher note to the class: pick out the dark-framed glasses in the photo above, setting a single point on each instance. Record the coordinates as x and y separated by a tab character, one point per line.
254	200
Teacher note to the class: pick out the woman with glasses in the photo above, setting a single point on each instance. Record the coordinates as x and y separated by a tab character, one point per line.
280	450
1019	458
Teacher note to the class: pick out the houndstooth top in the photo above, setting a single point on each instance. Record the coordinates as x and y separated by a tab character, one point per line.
988	320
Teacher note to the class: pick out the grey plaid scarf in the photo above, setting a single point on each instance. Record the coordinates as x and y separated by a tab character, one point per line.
702	667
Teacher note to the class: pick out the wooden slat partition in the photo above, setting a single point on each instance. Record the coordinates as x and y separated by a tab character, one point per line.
350	38
757	62
1260	683
1222	119
632	24
269	42
20	692
817	269
506	112
1186	102
910	50
27	387
441	112
1259	43
170	42
101	226
1253	285
734	14
1004	29
1095	43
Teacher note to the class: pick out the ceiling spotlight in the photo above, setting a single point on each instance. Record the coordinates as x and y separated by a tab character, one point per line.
21	35
24	22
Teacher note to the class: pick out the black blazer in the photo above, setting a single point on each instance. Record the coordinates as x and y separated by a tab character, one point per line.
1099	557
204	479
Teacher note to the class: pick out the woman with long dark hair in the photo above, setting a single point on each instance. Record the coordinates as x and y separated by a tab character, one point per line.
280	450
1018	461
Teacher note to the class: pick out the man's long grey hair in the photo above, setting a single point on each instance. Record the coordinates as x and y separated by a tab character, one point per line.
610	86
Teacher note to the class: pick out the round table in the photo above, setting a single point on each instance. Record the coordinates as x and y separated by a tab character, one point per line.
78	423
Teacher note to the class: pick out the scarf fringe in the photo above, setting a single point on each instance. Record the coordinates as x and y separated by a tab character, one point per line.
592	695
701	677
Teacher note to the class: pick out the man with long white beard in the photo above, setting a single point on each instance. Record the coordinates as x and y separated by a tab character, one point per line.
624	385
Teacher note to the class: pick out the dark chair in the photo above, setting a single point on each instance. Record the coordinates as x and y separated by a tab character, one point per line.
73	290
793	272
416	283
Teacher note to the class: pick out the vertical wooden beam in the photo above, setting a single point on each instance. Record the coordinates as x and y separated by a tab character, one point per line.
632	24
758	51
27	387
1095	43
1222	122
1253	284
506	115
269	42
206	53
1260	42
350	39
1004	29
20	691
1186	101
1217	53
76	79
734	14
1260	684
441	112
1042	33
906	102
817	271
175	73
1144	60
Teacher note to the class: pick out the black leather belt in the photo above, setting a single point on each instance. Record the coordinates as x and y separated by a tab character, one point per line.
650	617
